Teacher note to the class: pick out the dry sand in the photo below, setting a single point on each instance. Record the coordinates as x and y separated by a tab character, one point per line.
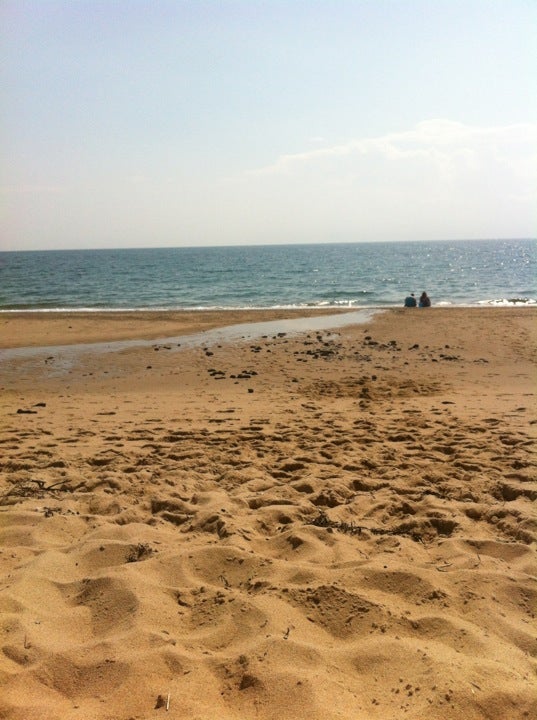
329	525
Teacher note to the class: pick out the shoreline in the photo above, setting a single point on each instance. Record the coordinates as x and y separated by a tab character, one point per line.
25	329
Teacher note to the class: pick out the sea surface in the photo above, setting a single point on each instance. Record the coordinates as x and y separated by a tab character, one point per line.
355	275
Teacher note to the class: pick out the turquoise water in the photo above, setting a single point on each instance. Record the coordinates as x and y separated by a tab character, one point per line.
331	275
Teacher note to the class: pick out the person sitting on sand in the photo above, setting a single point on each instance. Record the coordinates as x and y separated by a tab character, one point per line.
410	301
425	300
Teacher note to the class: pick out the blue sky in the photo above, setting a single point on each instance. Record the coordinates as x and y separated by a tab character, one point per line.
158	123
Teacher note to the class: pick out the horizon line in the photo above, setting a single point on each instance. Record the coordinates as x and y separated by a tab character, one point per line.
275	244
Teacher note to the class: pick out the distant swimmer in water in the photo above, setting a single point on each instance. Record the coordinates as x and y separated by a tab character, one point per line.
425	300
410	301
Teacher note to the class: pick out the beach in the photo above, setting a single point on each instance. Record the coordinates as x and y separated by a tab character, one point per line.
328	524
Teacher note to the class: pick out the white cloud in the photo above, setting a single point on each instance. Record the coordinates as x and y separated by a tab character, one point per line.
438	179
443	142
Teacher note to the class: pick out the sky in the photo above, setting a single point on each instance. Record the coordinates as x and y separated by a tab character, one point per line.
153	123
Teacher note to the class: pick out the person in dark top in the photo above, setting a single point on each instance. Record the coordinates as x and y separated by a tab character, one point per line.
410	301
425	300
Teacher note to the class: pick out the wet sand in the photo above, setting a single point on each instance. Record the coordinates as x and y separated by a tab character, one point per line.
331	524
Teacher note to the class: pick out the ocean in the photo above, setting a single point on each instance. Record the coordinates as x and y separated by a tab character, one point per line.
355	275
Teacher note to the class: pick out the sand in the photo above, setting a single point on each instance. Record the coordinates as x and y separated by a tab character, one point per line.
323	525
